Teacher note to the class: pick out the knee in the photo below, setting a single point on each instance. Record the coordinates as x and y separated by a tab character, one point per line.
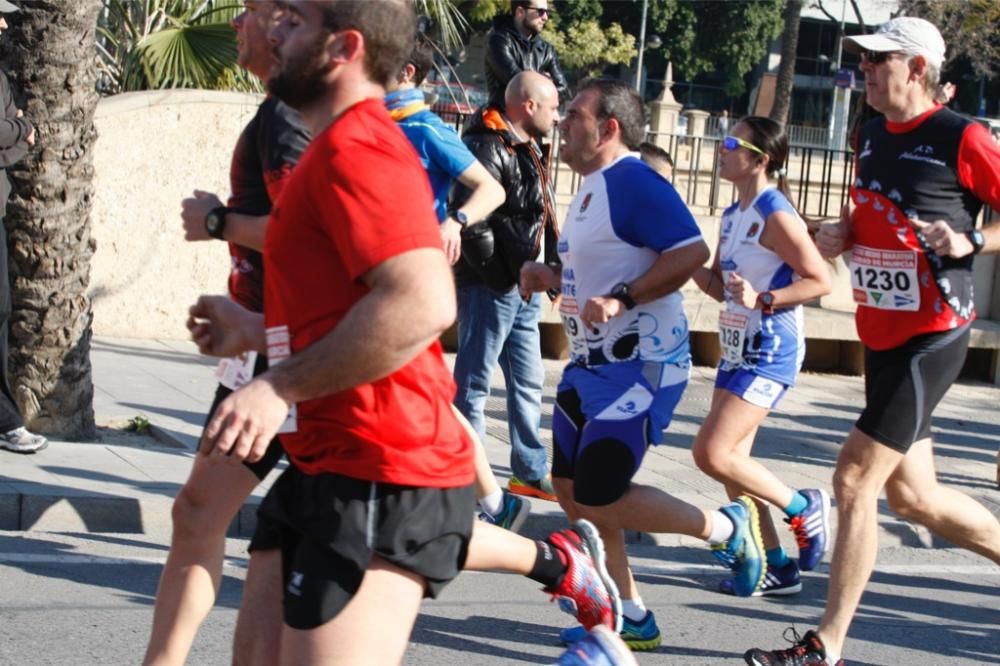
851	485
191	514
905	502
604	518
711	462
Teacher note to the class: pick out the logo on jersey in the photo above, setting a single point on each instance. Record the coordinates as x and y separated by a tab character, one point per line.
753	230
586	201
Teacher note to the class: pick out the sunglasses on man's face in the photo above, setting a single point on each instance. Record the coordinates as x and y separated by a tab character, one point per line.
542	11
732	143
877	57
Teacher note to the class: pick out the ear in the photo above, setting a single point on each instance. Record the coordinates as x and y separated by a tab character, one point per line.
407	73
918	67
344	47
611	128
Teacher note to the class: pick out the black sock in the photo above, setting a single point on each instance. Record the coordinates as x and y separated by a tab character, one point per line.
549	566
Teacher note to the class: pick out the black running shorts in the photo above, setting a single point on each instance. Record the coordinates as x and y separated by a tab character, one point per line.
904	385
274	451
330	526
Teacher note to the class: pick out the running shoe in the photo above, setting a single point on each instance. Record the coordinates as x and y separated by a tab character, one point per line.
806	650
639	636
778	581
20	440
600	647
812	528
512	515
745	548
586	590
542	489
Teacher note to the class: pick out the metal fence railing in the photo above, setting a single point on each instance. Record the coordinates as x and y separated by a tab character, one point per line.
819	178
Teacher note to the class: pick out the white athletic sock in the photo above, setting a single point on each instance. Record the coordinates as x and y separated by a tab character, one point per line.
722	528
831	658
492	503
633	609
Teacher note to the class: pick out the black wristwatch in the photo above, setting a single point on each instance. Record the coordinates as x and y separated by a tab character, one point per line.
977	239
460	217
620	292
766	301
215	222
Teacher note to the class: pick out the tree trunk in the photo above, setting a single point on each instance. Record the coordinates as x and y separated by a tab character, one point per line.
49	55
786	70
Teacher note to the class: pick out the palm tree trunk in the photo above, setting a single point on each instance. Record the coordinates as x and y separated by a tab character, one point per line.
50	57
786	70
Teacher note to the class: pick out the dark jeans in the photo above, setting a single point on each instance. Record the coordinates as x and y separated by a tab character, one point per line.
10	415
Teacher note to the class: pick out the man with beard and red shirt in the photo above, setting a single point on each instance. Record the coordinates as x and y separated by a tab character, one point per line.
374	512
264	155
923	175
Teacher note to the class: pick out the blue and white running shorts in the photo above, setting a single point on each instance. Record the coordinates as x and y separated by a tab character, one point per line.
605	418
750	386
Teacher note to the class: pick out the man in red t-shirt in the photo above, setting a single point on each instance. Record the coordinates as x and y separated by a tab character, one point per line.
376	510
923	176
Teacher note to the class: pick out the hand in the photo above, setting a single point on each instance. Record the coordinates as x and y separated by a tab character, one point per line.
451	236
942	238
740	291
245	422
831	239
535	277
31	137
601	309
193	212
220	327
19	114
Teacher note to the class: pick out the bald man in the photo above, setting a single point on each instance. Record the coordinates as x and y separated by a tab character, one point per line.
495	325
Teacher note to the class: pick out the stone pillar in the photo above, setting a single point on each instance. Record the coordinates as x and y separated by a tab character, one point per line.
696	122
664	112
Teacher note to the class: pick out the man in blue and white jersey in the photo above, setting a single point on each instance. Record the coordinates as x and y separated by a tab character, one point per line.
627	246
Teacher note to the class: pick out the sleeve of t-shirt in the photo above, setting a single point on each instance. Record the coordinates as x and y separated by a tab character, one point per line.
282	142
646	211
445	148
381	206
979	164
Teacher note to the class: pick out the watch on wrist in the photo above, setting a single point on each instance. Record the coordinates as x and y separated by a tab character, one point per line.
766	302
460	217
621	293
215	222
977	239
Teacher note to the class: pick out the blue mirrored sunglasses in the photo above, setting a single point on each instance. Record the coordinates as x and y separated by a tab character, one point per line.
731	143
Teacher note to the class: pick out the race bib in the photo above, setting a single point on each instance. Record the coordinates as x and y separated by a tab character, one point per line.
278	349
234	373
885	279
573	325
732	335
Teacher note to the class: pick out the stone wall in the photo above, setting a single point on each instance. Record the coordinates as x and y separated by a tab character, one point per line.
154	149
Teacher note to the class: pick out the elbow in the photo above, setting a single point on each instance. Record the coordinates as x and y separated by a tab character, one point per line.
702	254
497	195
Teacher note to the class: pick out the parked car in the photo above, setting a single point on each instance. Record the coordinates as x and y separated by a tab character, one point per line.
453	99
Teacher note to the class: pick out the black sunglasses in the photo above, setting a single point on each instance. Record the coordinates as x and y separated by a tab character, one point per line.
542	11
877	57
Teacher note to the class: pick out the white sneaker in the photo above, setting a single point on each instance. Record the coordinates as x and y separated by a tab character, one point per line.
19	440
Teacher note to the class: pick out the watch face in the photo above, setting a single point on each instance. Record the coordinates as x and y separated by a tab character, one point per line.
213	222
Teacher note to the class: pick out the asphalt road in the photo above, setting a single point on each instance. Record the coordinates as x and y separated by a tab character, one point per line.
87	599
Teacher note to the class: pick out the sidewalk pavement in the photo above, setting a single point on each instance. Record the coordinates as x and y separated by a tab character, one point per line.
114	487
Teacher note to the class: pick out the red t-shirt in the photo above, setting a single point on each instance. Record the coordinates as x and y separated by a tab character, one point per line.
357	198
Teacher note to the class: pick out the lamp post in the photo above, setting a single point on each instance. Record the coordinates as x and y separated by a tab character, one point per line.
642	46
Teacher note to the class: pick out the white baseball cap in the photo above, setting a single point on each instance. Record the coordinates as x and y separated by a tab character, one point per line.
6	7
907	34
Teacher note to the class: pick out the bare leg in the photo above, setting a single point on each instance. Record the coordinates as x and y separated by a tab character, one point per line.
914	493
388	597
202	511
257	640
863	468
493	548
486	482
767	527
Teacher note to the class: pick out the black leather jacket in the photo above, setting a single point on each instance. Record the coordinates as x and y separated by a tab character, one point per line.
508	53
494	249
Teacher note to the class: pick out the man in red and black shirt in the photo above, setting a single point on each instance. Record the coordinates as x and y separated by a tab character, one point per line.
375	511
265	153
923	175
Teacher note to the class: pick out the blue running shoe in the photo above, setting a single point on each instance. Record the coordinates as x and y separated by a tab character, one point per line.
812	528
778	581
745	548
512	515
601	647
639	636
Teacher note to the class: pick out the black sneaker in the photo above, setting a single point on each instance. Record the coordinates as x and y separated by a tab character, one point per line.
806	650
